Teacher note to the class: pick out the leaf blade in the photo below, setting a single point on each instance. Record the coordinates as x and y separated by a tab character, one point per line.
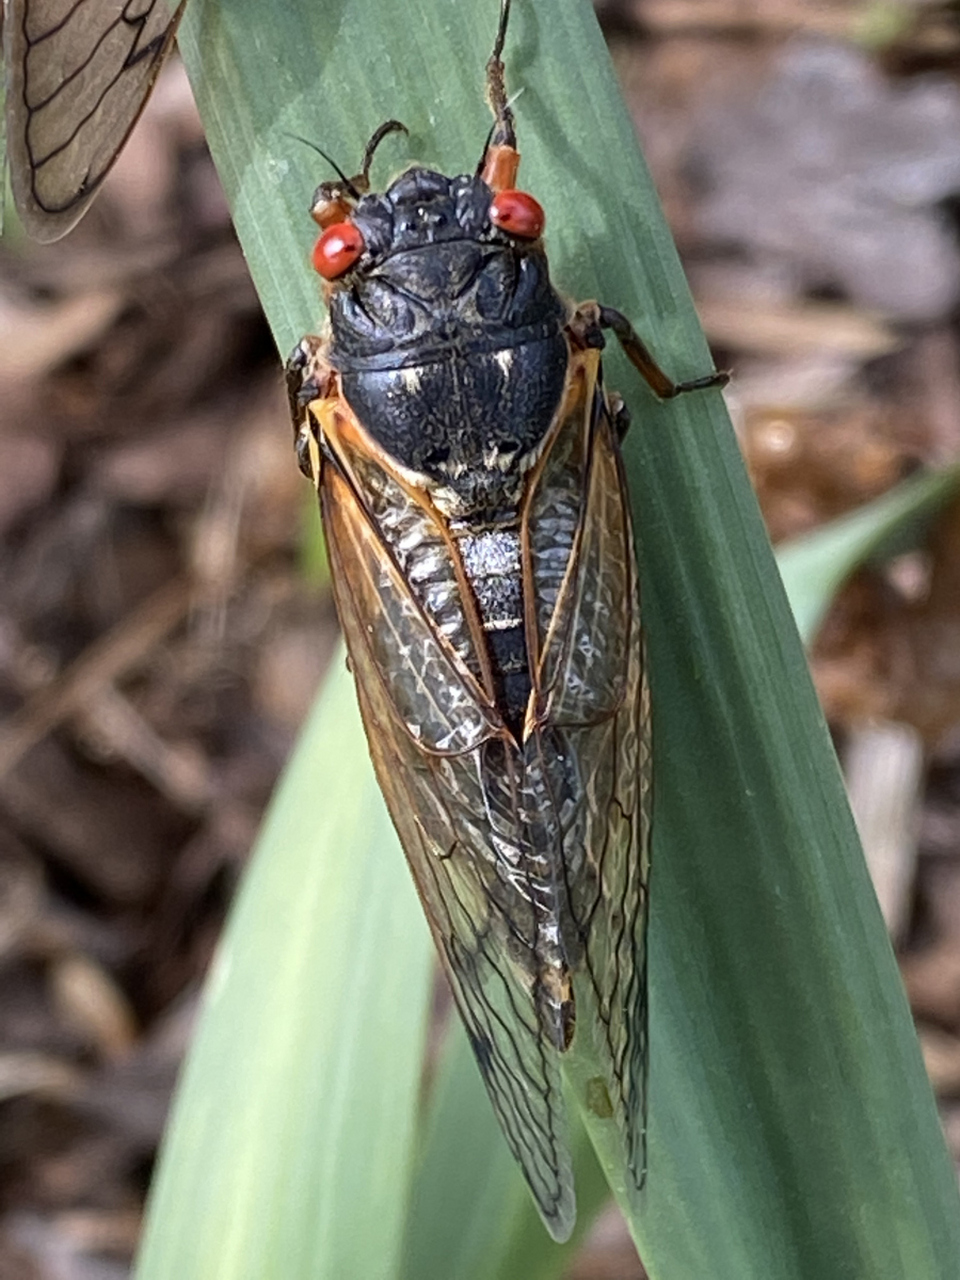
814	565
291	1144
755	855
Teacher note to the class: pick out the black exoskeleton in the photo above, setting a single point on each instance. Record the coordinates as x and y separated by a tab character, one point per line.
449	336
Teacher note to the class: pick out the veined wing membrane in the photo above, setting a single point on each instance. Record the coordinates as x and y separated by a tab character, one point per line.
434	697
78	75
585	648
597	702
463	818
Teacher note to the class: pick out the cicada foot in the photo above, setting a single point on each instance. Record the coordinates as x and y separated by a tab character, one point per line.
587	326
619	415
309	377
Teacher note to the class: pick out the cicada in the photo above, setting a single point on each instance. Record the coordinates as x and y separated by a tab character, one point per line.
77	77
467	458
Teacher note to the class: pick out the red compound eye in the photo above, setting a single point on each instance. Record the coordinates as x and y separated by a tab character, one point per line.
337	250
517	213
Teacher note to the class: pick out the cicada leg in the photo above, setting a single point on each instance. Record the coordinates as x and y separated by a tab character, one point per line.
619	414
587	325
309	377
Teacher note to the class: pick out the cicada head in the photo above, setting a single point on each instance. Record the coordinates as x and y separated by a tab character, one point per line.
434	262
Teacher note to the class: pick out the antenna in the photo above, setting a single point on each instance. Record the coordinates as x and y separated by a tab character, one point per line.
347	182
503	134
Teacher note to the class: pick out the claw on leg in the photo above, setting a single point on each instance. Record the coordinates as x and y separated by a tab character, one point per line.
587	326
309	377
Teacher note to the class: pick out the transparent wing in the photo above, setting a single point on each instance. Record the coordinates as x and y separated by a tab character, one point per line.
78	75
462	798
596	701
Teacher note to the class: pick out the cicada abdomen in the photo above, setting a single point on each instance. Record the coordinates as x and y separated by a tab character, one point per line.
77	78
468	464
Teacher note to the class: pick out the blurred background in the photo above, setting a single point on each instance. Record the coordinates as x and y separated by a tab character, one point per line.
165	616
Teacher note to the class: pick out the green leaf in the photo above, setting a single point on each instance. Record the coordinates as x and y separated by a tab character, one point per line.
471	1216
815	565
3	155
792	1130
291	1145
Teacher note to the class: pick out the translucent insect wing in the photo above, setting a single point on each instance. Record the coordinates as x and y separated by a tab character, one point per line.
448	808
593	679
78	73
